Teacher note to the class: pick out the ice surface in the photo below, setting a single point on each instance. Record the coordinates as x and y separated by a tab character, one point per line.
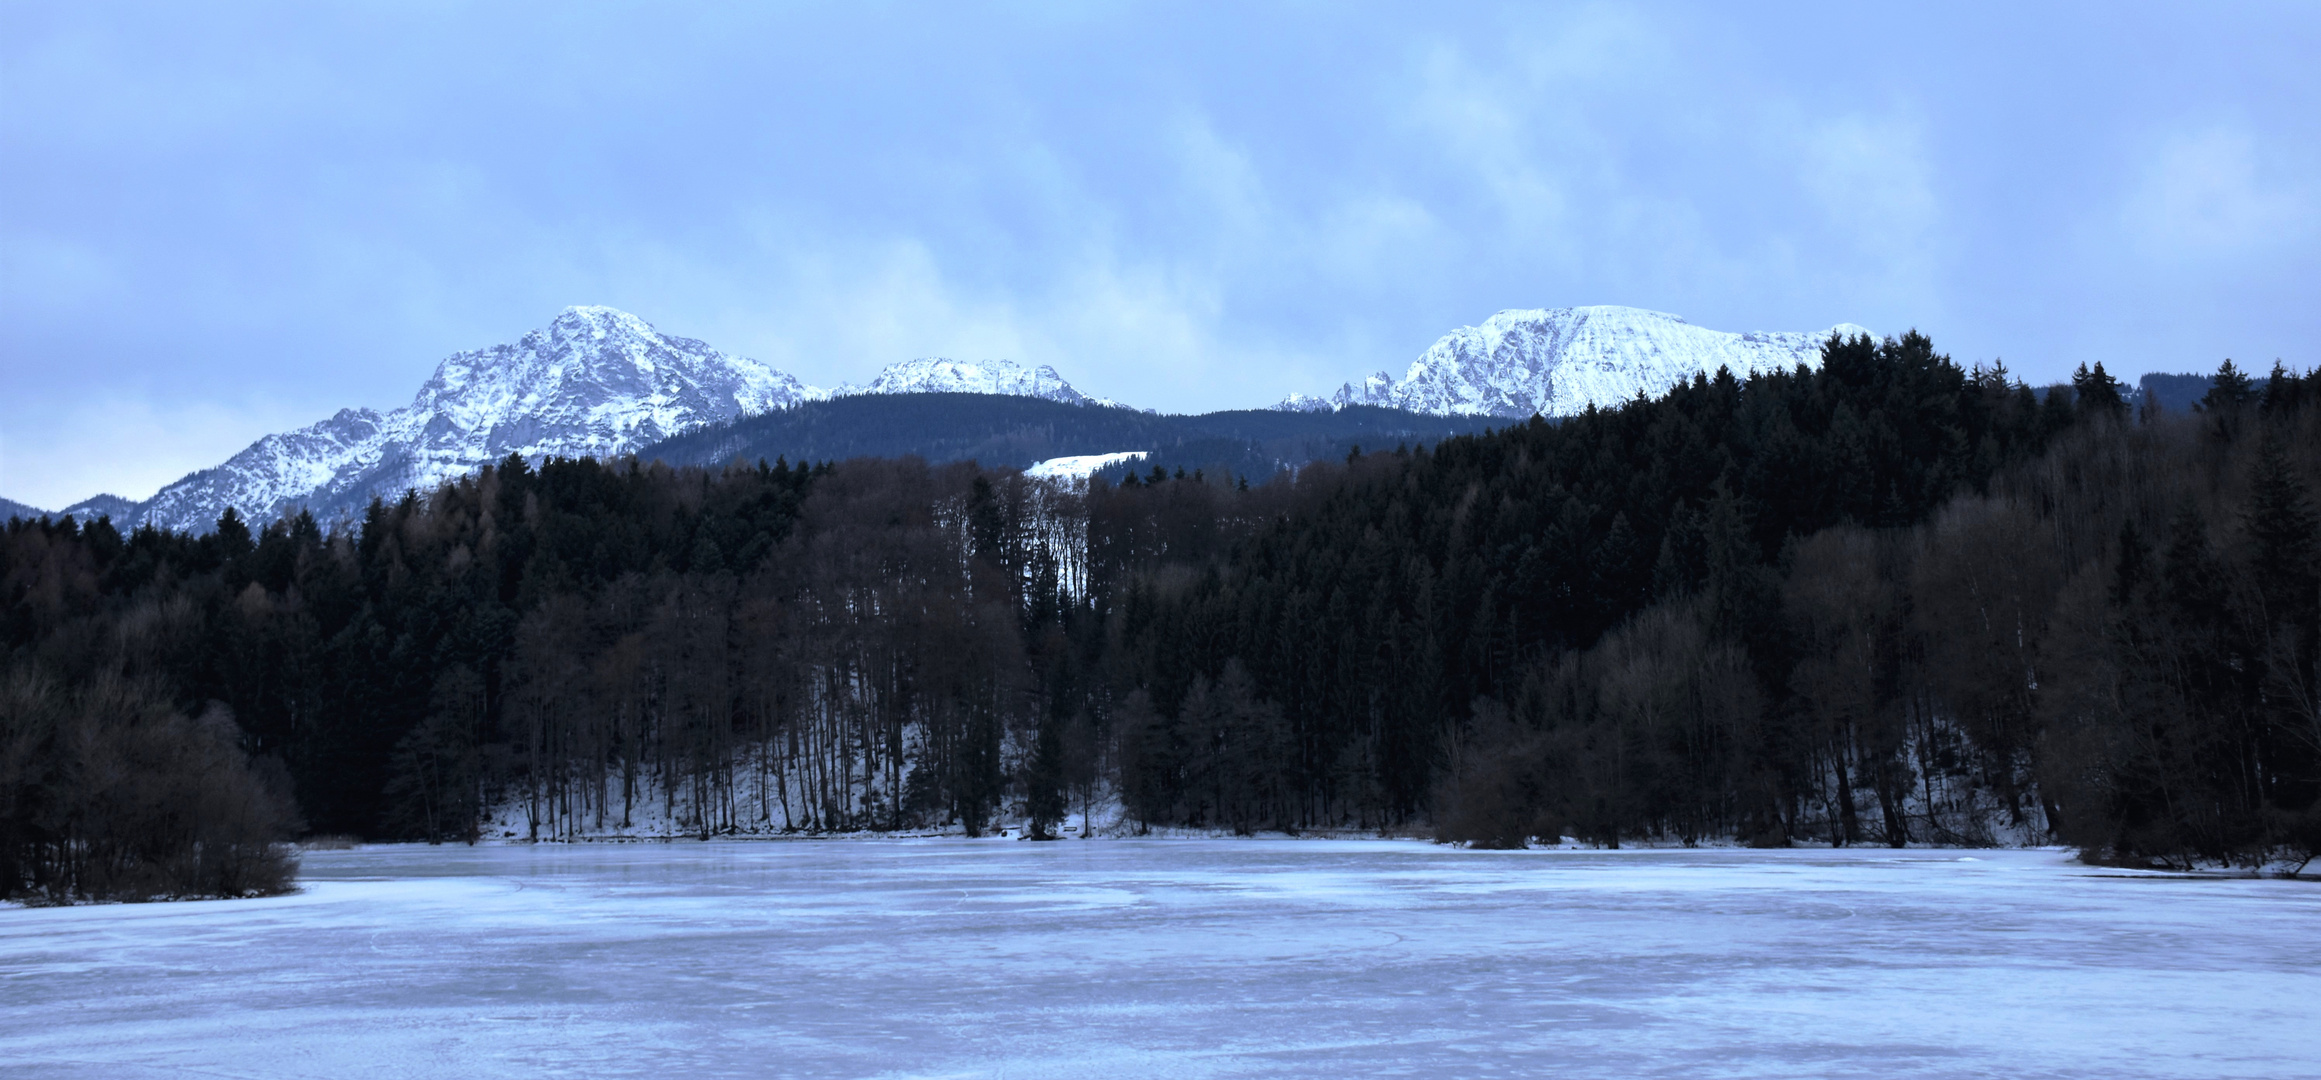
1133	958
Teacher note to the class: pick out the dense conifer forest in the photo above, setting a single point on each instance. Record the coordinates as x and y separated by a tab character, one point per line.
1884	601
1001	430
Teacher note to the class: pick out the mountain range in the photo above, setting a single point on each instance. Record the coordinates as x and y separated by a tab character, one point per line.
601	382
594	382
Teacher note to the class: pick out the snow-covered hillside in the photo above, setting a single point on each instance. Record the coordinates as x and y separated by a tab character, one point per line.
936	375
1558	361
594	382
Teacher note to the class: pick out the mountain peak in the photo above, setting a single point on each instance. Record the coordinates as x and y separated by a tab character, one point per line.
941	375
596	320
595	382
1560	361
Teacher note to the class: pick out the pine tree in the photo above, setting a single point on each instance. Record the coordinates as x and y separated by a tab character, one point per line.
2284	534
1045	800
2097	393
2228	390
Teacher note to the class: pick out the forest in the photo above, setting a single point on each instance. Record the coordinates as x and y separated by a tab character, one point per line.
1887	600
1002	430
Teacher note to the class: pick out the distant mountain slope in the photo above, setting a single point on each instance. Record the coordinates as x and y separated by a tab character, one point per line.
1559	361
936	375
594	382
2173	393
122	511
10	509
1020	431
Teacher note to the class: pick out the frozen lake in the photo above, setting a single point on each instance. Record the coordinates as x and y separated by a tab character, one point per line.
1178	958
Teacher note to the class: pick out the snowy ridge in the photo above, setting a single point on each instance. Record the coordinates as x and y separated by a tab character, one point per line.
1559	361
595	382
937	375
97	506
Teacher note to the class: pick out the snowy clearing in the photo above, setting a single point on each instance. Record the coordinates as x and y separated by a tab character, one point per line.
1181	958
1078	467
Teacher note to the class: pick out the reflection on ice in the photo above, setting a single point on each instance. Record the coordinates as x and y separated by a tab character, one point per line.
1175	958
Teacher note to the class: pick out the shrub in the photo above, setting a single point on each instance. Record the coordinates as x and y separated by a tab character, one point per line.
106	793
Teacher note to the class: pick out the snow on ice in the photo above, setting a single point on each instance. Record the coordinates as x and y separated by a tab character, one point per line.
1132	958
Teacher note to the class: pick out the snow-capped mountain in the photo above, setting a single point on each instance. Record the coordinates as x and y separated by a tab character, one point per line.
1559	361
595	382
936	375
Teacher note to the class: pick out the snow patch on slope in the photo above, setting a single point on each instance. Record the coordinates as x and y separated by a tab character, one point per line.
1079	467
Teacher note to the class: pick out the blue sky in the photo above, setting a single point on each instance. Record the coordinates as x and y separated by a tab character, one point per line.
223	220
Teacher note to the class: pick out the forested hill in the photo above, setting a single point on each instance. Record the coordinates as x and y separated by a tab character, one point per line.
1884	601
1005	430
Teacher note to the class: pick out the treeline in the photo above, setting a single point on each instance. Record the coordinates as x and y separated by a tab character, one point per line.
368	676
2110	643
1885	600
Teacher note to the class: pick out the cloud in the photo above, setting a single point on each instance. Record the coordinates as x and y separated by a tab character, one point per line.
2220	192
58	273
130	446
1618	159
1873	181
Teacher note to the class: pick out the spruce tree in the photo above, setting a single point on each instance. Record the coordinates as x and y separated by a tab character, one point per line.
2228	390
2283	532
2097	393
1045	801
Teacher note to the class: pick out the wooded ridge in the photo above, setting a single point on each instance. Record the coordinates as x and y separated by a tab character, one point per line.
1888	600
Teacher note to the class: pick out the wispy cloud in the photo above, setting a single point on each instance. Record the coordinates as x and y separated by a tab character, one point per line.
129	445
2220	191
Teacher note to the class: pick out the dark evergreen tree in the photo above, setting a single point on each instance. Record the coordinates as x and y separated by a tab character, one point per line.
1045	802
2229	389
